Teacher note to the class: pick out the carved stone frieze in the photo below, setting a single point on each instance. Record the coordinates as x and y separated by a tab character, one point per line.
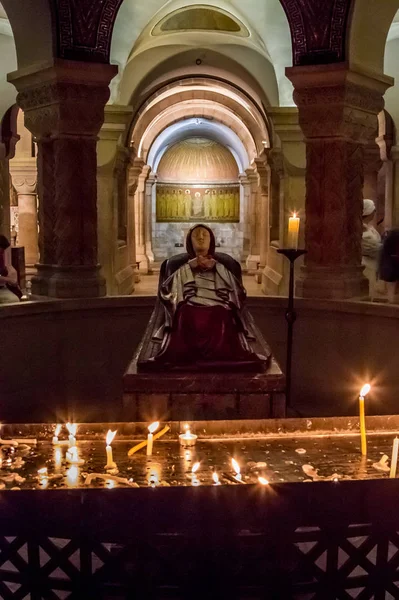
318	30
85	28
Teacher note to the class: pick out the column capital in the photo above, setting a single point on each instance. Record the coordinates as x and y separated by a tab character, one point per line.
285	120
63	97
23	173
336	102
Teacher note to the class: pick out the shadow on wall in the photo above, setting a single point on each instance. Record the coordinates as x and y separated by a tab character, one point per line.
65	360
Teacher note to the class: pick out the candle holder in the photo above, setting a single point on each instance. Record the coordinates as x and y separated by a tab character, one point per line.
290	316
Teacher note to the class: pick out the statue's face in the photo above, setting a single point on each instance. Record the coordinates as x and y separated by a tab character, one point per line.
201	239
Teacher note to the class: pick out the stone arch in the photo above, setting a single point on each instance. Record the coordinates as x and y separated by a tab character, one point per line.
369	26
318	30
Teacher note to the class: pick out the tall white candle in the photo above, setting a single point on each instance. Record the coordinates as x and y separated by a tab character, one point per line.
394	459
109	439
150	439
56	434
72	429
293	232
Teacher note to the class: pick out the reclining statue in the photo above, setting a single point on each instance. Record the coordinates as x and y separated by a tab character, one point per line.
200	322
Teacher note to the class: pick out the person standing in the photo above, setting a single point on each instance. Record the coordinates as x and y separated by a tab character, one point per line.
371	245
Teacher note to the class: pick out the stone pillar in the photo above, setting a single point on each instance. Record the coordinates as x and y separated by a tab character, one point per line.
264	220
338	112
24	179
113	161
136	168
287	163
245	193
63	105
372	166
394	196
148	220
5	226
253	258
141	219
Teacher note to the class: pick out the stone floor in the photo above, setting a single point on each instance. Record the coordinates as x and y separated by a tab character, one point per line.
149	284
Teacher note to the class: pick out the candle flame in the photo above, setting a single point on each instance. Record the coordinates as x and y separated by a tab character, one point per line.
263	481
110	437
215	477
294	215
187	427
236	466
153	427
57	430
72	428
72	475
365	390
195	467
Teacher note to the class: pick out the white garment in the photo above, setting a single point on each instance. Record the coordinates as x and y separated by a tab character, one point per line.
371	246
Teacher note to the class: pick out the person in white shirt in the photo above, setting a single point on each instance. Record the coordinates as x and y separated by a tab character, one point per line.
371	245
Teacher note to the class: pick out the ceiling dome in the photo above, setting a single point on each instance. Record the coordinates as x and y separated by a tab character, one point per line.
198	160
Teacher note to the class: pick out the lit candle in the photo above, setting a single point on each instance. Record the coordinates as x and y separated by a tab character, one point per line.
263	481
394	459
150	438
194	470
363	442
109	439
72	428
72	476
237	469
143	444
72	456
42	475
293	232
56	434
57	457
187	439
215	478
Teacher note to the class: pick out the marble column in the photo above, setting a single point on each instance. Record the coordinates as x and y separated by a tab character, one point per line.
24	179
264	229
151	180
63	105
338	112
113	161
5	198
141	219
245	192
135	170
394	196
287	162
253	258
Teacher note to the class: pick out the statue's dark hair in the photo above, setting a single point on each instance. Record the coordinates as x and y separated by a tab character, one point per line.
189	243
4	243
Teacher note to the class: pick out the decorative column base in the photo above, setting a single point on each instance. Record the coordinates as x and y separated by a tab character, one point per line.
332	283
68	282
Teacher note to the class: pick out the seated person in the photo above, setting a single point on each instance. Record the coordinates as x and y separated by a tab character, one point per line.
204	324
9	288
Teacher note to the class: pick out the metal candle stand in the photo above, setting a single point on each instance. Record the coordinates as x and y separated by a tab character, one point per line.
290	316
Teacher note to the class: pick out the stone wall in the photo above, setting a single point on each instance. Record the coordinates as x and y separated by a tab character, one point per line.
65	359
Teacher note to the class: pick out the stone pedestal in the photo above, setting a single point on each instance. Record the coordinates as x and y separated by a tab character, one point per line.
338	112
203	396
63	104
